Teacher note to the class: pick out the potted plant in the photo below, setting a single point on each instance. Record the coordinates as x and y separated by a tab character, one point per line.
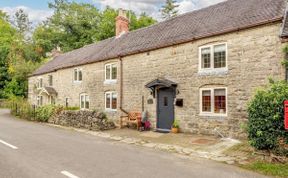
175	126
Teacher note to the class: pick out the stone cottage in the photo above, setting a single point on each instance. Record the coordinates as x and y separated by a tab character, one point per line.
201	67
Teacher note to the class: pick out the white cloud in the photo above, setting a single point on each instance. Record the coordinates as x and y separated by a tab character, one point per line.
35	15
152	7
189	5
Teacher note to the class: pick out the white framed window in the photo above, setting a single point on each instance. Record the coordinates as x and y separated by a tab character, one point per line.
39	83
39	100
111	101
213	57
111	72
84	101
213	101
50	80
77	75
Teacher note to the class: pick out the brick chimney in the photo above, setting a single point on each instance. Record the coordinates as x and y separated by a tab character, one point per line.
122	23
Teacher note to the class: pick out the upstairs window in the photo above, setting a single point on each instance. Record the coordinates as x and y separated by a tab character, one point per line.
50	80
39	82
111	101
214	101
84	101
213	57
110	72
77	75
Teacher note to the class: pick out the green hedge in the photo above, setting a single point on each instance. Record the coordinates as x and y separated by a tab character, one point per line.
266	117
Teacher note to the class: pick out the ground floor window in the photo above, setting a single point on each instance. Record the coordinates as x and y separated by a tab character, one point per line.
84	101
111	101
39	100
213	101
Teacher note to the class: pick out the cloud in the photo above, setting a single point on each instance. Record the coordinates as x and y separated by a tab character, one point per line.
35	15
152	7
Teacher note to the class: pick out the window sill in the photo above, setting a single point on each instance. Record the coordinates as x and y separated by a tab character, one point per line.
111	110
220	71
213	115
109	82
77	82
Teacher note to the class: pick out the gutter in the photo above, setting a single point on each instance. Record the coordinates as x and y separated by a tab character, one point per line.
121	87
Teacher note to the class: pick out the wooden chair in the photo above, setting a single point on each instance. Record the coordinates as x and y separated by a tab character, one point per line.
131	118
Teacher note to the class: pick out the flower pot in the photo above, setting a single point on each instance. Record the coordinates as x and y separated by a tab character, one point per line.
174	130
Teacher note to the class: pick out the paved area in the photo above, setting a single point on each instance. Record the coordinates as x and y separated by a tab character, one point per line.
30	149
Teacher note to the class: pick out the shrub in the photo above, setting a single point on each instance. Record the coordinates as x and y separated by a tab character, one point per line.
43	113
266	116
20	107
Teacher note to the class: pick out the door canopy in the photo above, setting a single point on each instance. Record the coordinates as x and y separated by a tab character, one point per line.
160	83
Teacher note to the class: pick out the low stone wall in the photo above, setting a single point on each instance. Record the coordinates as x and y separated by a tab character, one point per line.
91	120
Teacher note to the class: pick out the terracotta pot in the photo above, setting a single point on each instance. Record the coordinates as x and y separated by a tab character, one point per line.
175	130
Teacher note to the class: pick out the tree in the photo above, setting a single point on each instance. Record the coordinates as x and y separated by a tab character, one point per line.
169	9
75	25
21	22
7	34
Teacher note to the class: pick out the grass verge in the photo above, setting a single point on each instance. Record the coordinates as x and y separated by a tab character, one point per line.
270	169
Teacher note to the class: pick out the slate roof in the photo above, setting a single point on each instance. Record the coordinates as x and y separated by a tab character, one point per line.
225	17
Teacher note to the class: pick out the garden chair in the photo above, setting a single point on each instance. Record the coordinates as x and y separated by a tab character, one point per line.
131	118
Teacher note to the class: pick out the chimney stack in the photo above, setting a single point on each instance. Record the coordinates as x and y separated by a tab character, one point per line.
122	23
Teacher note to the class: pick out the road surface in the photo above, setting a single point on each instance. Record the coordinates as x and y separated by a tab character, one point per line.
33	150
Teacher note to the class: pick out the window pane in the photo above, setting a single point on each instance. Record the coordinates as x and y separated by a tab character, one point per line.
75	75
220	101
114	72
108	97
165	101
80	75
41	100
108	72
114	101
82	100
87	102
41	82
50	80
219	56
67	102
206	57
206	101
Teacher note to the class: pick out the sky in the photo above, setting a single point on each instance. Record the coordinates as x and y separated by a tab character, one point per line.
38	9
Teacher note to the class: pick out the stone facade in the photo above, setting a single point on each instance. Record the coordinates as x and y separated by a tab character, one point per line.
253	56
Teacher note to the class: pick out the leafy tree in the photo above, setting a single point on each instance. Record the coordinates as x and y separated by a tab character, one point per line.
75	25
7	34
169	9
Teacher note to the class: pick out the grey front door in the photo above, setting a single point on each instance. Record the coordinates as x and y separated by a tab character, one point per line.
165	108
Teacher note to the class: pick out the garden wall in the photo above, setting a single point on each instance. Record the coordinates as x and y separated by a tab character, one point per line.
91	120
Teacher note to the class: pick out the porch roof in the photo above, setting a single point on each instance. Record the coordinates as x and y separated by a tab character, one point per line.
162	82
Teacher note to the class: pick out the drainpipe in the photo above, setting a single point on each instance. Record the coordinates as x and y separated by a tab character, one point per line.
121	87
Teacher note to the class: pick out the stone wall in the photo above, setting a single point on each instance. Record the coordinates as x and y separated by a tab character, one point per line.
253	55
91	120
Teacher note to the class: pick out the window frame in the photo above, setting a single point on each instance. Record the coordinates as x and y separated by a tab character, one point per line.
85	95
39	100
50	80
212	113
212	50
39	83
110	80
77	70
111	98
